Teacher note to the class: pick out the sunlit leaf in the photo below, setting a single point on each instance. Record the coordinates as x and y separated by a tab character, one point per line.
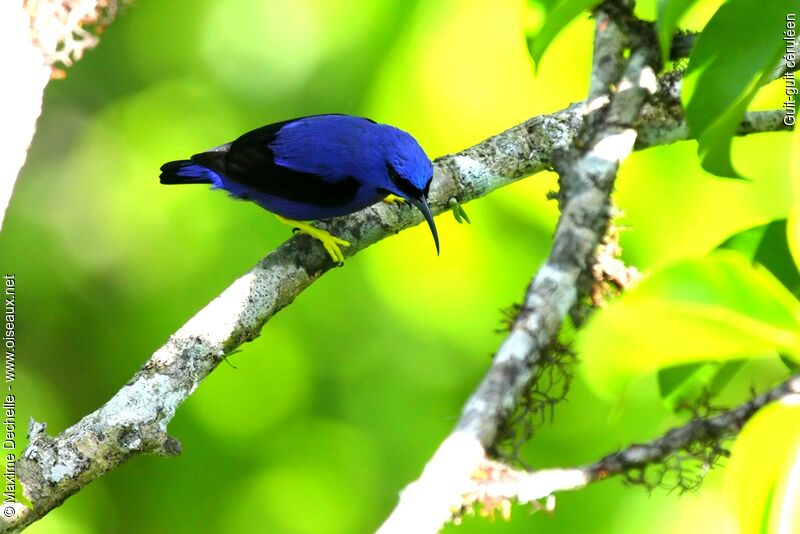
747	241
669	13
731	60
720	307
559	13
767	244
725	373
764	471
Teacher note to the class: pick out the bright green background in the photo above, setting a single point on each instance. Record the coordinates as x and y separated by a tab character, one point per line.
348	391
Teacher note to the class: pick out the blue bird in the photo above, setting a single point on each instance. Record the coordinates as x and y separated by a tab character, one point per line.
314	168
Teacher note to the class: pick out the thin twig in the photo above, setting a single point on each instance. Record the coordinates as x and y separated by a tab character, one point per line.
494	485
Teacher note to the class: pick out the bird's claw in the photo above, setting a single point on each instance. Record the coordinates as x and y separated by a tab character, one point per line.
330	242
394	199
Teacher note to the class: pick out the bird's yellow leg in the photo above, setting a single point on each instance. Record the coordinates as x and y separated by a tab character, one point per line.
330	242
394	199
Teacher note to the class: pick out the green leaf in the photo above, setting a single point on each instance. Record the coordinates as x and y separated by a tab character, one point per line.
763	474
724	375
790	364
732	59
558	13
669	13
747	241
684	385
768	245
718	308
775	254
793	233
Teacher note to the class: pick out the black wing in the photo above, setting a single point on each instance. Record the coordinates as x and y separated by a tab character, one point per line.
250	161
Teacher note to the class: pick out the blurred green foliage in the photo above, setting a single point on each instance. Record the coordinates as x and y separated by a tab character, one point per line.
349	390
715	308
768	502
721	81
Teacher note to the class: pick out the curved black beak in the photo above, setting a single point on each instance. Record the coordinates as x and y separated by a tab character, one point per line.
422	206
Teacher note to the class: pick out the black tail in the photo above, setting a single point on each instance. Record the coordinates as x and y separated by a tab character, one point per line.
184	172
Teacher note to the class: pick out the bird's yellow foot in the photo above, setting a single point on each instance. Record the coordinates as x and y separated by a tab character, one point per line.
330	242
394	199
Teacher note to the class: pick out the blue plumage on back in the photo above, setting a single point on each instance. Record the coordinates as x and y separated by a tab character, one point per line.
315	167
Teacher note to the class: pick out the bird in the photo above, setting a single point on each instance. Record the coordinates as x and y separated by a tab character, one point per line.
313	168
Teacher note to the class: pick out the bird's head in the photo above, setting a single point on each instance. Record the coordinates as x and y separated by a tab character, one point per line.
410	173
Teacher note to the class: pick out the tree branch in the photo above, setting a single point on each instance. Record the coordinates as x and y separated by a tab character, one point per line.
494	484
587	172
608	61
135	419
698	431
